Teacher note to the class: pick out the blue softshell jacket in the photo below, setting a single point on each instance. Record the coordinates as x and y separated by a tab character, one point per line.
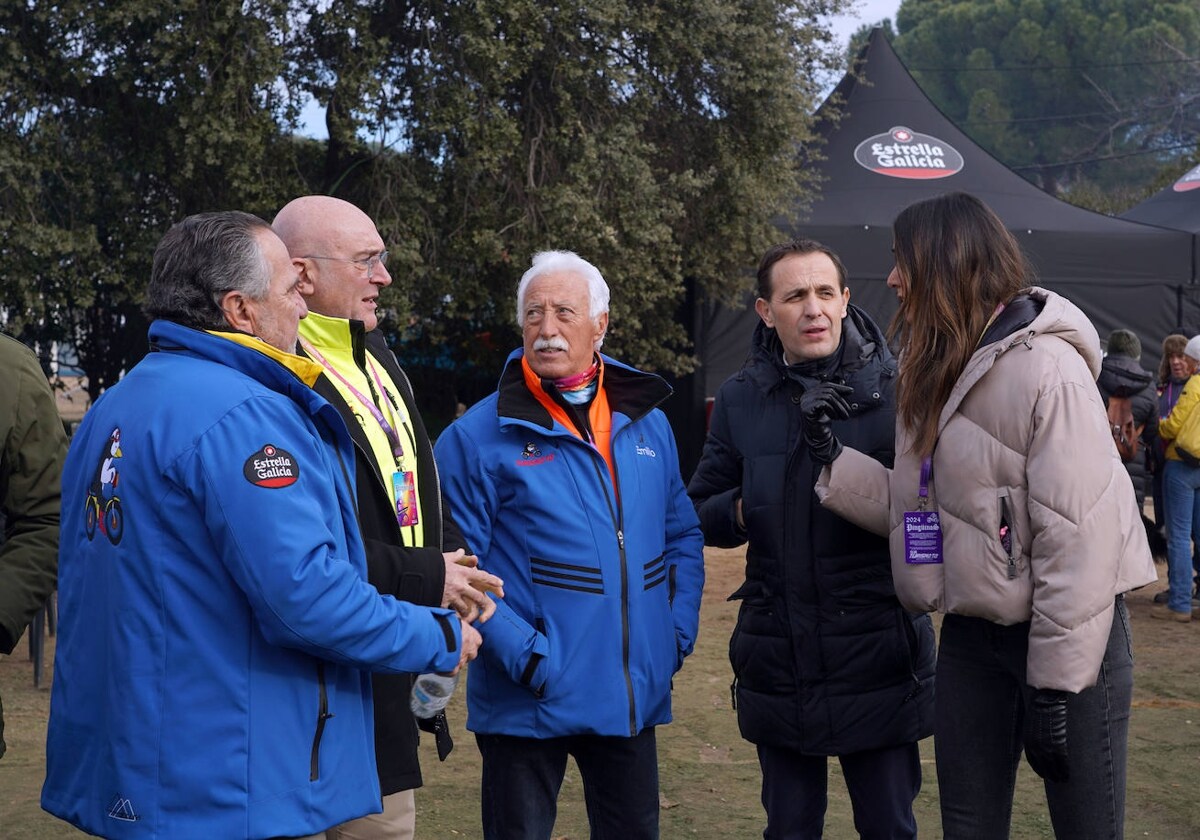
601	590
216	625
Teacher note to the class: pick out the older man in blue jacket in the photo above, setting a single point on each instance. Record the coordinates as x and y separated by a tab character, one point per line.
566	483
217	625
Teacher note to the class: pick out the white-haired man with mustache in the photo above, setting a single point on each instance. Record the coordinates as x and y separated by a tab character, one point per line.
566	483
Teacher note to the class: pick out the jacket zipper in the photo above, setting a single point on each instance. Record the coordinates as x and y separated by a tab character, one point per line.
618	521
349	482
314	768
1006	536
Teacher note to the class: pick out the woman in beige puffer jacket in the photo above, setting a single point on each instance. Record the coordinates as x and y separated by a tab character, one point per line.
1040	533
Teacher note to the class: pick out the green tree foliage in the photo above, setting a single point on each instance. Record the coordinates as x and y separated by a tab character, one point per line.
660	140
657	139
1057	89
117	119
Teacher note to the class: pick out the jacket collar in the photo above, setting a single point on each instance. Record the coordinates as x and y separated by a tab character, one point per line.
1122	376
336	335
1056	317
1020	312
275	369
862	343
630	392
302	367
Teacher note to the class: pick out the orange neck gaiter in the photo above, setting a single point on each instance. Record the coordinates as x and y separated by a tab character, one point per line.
599	414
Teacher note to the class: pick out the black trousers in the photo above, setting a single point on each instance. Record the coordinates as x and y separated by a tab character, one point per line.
882	784
522	778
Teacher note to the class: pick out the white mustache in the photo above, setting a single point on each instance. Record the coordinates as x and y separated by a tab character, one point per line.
555	343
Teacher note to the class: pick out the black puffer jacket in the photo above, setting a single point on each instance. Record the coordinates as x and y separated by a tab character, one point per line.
1122	376
825	659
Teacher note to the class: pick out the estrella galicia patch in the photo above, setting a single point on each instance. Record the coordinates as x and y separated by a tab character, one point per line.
271	467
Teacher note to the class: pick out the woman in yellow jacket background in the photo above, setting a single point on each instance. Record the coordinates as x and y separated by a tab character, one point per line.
1181	493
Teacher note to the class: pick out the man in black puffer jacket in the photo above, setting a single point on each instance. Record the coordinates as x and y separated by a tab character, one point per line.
826	662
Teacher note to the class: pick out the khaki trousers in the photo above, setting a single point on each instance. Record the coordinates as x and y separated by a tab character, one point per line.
397	822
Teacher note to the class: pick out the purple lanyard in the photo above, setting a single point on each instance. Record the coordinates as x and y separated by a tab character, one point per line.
392	435
923	490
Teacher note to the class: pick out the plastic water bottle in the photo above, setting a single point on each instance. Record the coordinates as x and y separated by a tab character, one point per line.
431	693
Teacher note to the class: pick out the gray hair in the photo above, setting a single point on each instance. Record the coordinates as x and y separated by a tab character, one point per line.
550	262
199	261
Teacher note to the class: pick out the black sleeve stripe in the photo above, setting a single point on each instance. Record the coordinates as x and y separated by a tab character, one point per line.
595	580
550	564
448	630
650	584
597	589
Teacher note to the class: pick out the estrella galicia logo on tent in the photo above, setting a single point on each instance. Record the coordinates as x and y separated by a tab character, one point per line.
1190	181
904	153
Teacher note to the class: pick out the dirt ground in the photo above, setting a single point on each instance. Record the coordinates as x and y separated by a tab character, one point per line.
709	776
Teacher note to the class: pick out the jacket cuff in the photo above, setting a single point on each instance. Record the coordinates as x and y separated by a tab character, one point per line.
423	580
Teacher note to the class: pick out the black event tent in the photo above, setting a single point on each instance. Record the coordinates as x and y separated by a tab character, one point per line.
892	147
1178	207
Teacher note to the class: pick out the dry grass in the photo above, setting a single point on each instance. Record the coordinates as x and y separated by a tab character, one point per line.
710	777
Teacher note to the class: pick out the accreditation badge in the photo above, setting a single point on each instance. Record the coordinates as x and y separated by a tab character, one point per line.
405	488
922	537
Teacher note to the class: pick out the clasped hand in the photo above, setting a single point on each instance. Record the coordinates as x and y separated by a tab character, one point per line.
467	587
820	405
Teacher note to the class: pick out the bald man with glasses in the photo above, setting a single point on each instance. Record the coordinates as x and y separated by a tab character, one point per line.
414	550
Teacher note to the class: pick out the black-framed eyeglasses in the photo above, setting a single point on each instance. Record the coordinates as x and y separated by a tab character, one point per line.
366	263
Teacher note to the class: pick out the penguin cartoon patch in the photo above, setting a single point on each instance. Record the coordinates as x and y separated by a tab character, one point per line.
271	467
102	509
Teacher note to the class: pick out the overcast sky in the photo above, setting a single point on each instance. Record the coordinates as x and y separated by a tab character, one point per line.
866	11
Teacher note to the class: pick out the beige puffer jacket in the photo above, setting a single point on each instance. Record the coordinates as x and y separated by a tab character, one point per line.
1025	430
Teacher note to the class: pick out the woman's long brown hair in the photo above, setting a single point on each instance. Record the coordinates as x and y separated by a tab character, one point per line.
957	262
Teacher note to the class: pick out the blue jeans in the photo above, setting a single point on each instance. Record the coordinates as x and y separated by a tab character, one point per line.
522	778
882	785
1181	498
979	733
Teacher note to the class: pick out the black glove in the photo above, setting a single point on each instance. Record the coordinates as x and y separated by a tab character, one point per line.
820	405
1046	734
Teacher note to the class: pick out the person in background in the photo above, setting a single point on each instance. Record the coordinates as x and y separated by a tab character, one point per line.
1123	377
1181	496
414	550
217	626
566	482
1009	510
31	460
825	660
1174	370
